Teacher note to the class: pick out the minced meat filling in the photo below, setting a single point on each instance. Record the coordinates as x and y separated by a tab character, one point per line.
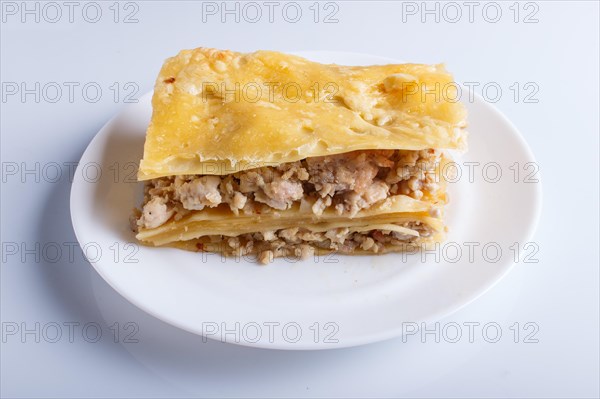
301	243
347	182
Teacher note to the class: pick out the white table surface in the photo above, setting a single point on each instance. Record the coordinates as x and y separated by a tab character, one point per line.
558	55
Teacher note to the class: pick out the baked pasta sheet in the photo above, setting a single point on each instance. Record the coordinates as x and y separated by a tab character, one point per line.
273	155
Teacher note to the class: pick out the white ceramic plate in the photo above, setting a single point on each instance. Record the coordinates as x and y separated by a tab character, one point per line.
327	302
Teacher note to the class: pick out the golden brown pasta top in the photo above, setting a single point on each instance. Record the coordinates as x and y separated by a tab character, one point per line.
218	112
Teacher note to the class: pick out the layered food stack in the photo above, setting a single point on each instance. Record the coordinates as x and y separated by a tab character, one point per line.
273	155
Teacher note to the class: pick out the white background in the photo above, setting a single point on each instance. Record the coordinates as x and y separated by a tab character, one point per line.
558	54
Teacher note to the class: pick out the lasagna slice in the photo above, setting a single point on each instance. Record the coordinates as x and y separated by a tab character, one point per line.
273	155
